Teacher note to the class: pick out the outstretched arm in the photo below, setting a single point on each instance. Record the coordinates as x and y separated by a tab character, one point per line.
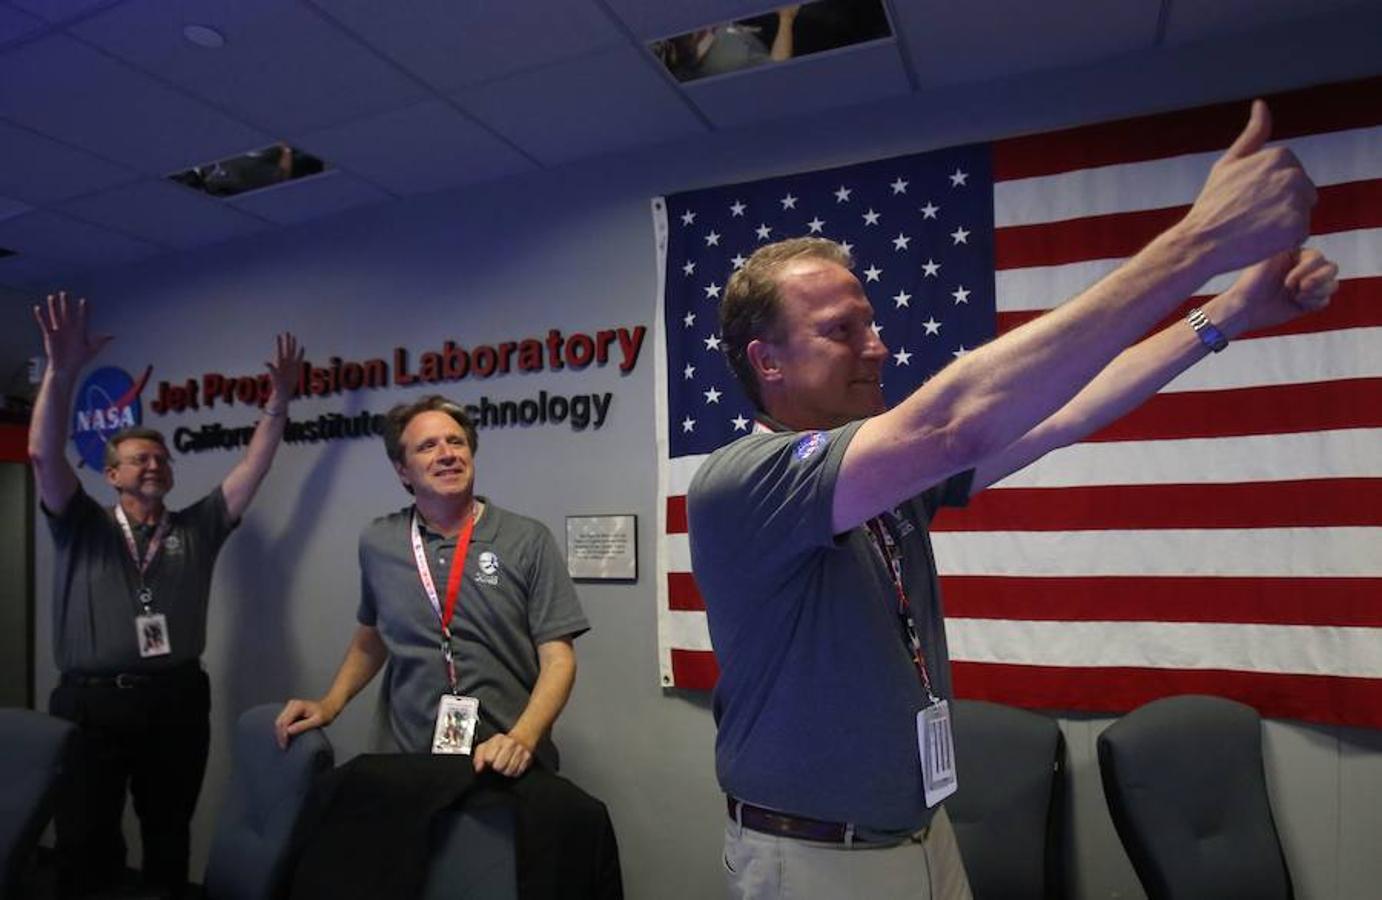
68	348
364	658
1255	203
1275	290
511	754
243	481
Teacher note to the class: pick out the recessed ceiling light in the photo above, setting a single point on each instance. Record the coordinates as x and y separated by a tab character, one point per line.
204	36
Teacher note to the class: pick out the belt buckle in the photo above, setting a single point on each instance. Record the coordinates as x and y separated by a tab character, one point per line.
125	680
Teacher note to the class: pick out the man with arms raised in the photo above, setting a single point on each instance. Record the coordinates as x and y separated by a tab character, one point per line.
809	537
129	616
469	604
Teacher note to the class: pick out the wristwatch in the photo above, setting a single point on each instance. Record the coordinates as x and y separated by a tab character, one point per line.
1210	336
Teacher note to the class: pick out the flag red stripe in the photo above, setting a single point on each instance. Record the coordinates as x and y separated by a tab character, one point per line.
1334	107
1272	504
1274	409
1341	207
694	670
683	594
1354	305
676	514
1313	698
1343	602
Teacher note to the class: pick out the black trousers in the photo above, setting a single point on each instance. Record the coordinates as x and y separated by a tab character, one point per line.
150	738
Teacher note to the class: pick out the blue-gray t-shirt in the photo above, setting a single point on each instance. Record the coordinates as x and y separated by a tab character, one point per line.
96	581
515	594
818	695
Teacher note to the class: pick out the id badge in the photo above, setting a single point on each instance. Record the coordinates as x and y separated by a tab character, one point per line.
937	744
151	631
455	731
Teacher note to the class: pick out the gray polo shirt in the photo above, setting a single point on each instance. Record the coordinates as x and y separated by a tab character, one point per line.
515	594
817	699
95	584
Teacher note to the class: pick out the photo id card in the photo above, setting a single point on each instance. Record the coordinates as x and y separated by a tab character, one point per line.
151	631
455	731
938	778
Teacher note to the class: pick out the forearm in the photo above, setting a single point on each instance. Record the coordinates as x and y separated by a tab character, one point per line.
555	679
243	481
364	658
48	438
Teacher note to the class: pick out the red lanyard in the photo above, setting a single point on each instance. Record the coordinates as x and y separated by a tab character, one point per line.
453	586
888	551
146	597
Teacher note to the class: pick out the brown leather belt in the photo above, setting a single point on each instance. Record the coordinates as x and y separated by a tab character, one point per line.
781	824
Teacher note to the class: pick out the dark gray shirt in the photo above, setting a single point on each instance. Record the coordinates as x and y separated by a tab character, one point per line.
515	594
95	584
818	695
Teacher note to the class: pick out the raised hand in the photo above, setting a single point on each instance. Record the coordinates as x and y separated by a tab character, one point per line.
283	370
65	340
1276	290
1256	201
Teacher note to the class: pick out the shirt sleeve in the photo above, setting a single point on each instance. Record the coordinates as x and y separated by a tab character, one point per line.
554	610
79	510
211	518
953	491
762	503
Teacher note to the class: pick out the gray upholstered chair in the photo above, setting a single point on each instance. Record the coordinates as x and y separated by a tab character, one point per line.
34	750
1006	813
249	854
1185	784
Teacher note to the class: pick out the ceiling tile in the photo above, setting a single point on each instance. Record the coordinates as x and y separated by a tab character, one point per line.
978	40
659	20
35	274
454	45
60	10
15	24
860	74
166	213
284	67
36	169
11	208
47	85
605	102
62	238
309	198
1189	22
422	148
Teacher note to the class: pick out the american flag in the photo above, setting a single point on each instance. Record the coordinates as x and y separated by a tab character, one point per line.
1225	538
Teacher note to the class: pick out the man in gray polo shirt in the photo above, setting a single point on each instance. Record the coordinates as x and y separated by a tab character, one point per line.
809	537
131	587
507	617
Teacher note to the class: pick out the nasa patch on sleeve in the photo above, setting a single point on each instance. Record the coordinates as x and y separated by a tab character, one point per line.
807	445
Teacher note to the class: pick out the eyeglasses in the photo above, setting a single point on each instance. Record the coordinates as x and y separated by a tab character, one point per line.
142	460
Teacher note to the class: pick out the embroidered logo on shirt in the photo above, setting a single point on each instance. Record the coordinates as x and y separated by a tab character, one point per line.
904	527
808	444
489	568
172	543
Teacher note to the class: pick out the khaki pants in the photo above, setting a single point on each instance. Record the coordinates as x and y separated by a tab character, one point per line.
926	866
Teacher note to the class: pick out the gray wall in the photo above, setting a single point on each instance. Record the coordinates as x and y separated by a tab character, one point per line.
574	250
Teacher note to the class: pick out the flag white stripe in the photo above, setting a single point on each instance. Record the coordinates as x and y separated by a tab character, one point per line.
1287	649
1336	158
1219	552
1287	359
1342	453
1046	287
1216	552
684	630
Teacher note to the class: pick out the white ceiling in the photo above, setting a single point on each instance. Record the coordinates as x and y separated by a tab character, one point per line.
101	99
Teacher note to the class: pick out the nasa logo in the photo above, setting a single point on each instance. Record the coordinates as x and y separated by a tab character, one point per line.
807	446
107	401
